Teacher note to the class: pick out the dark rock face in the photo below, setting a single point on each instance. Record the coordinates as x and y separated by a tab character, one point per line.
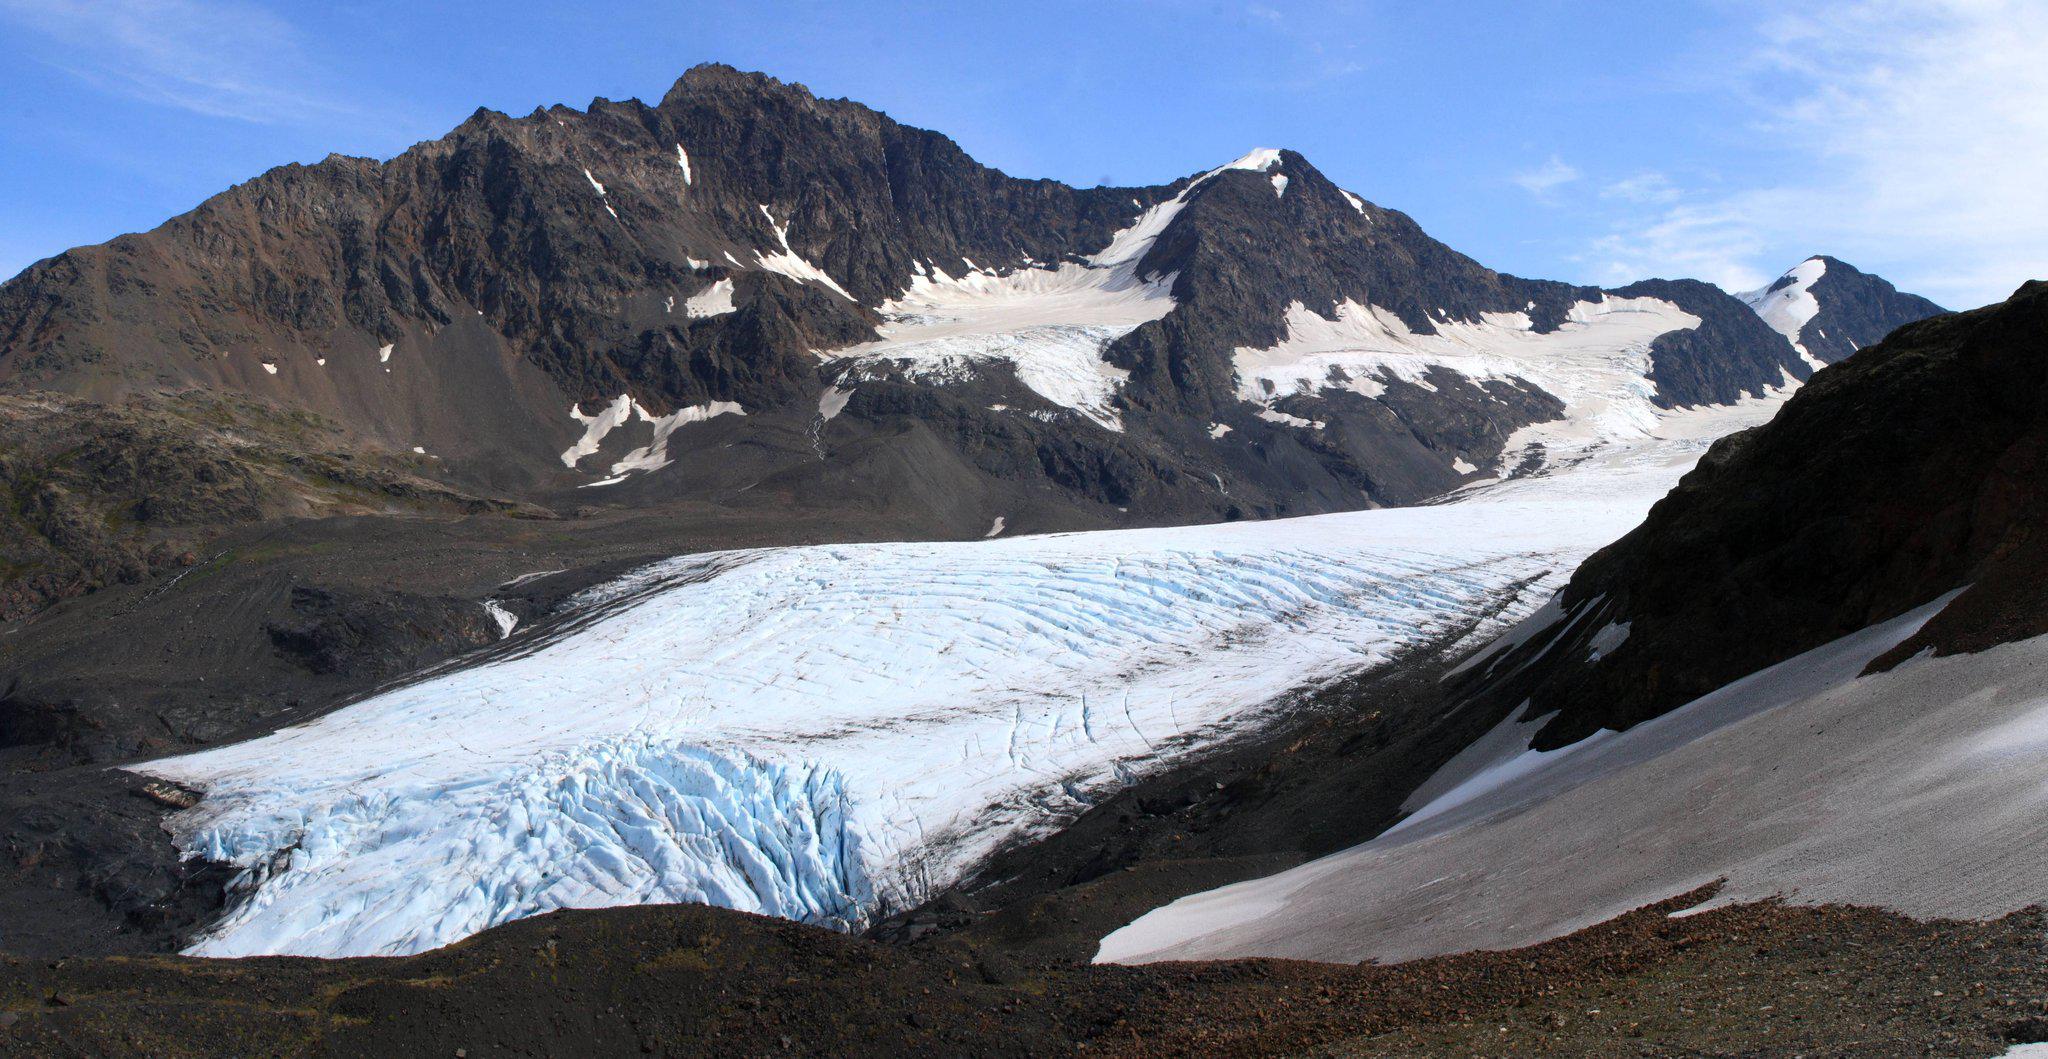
1857	309
1916	467
1731	355
1829	309
461	297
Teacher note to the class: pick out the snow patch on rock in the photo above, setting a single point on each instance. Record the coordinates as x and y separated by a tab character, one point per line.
1597	362
1050	322
1611	635
714	300
652	456
595	427
1272	415
833	401
787	262
1917	790
504	619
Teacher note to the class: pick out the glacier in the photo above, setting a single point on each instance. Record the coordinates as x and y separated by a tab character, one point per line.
829	733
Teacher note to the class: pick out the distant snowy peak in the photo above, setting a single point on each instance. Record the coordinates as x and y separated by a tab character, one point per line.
1828	309
1788	303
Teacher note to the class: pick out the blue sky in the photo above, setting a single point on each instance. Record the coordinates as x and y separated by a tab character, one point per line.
1593	142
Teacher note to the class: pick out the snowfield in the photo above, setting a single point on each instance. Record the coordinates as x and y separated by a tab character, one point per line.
1789	308
1049	323
825	733
1597	362
1919	790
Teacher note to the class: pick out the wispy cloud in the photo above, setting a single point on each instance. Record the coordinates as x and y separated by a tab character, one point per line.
219	58
1716	241
1650	187
1916	138
1544	179
1316	59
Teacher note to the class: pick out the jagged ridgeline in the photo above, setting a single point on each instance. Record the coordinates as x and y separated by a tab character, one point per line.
849	311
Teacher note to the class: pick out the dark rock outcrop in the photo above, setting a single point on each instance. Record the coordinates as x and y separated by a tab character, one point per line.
1857	309
1917	467
1731	354
519	266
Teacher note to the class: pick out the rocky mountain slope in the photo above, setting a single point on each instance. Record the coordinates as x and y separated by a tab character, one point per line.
687	980
813	288
1812	674
750	298
100	495
1911	470
1829	309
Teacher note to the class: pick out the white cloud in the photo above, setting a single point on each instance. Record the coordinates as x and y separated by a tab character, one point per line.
1713	241
220	58
1546	178
1651	187
1916	137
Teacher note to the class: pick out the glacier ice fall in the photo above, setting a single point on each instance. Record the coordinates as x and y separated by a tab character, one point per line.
824	733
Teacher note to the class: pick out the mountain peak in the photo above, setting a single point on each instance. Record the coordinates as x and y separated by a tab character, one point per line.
720	77
1828	308
1258	159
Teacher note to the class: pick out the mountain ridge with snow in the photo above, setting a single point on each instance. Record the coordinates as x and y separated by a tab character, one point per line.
744	243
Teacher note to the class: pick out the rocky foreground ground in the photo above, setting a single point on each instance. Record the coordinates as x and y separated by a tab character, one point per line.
683	980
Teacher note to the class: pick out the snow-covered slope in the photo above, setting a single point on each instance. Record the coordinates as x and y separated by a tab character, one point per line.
823	732
1049	322
1919	789
1597	362
1788	304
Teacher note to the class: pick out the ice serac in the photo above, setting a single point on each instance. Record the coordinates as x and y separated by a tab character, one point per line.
828	733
